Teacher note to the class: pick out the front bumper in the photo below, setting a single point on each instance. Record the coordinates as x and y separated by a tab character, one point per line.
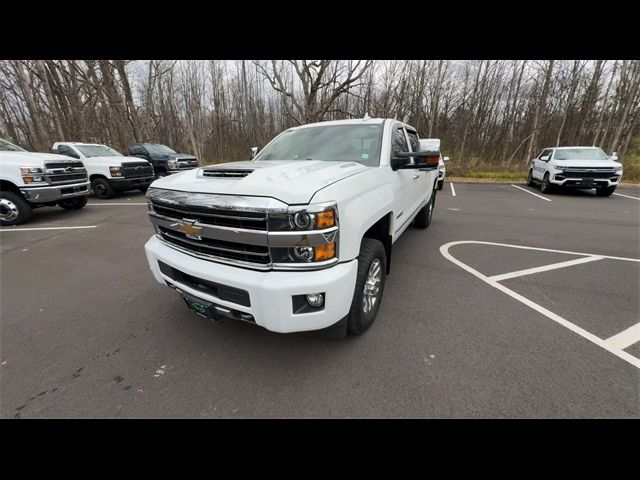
441	174
122	184
270	293
579	182
55	193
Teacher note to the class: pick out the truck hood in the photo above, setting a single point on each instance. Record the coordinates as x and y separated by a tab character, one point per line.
586	163
292	182
33	159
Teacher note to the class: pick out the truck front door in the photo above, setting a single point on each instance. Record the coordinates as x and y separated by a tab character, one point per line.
404	182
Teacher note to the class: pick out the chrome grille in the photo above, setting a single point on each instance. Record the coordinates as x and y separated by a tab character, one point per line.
213	216
588	172
218	248
61	173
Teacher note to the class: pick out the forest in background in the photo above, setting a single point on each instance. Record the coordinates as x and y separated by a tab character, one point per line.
492	115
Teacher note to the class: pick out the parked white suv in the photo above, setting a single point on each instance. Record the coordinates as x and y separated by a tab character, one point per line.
30	180
576	167
300	237
109	171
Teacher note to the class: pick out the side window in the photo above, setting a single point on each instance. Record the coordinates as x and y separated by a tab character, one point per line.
136	149
399	141
413	140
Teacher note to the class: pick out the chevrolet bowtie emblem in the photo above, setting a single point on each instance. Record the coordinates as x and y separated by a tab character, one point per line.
189	229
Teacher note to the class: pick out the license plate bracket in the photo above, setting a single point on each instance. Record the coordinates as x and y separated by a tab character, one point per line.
201	307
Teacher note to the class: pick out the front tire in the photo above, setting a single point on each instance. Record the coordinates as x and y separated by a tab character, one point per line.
14	209
546	186
423	219
605	192
73	203
372	268
102	188
441	184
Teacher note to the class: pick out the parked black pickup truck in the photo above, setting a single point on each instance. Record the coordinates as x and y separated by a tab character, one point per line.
165	160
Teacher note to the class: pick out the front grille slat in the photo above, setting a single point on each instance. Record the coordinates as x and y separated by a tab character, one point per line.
52	165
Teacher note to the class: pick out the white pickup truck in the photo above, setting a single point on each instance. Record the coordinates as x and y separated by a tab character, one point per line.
109	171
30	180
575	167
300	237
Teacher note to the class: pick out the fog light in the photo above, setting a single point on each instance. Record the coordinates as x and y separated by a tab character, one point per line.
315	299
302	254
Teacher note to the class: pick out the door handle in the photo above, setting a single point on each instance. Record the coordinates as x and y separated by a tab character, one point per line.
415	177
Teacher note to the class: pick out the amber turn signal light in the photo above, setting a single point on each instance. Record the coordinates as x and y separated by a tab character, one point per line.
325	252
325	219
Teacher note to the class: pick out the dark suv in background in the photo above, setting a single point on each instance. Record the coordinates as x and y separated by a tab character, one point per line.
165	160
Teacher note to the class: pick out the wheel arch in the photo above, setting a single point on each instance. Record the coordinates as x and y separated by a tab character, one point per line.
7	186
381	231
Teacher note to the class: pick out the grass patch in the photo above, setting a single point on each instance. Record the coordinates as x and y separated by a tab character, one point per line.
497	175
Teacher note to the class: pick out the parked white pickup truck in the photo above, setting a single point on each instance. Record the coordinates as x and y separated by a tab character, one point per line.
433	144
109	171
575	167
300	237
30	180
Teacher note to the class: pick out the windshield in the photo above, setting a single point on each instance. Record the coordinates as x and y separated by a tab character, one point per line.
97	151
580	154
157	149
339	143
9	147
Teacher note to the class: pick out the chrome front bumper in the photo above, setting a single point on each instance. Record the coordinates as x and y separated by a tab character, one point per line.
55	193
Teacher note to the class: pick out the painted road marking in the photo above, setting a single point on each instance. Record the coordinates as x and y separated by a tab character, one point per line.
534	194
43	228
626	196
453	190
114	203
626	338
544	268
609	345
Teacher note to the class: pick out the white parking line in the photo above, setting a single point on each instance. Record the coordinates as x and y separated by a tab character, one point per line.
534	194
453	190
626	338
611	347
113	203
544	268
43	228
626	196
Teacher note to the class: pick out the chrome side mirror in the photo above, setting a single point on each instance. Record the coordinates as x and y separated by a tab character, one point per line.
614	156
445	159
254	152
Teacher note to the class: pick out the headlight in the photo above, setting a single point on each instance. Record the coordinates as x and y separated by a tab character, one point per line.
172	164
31	175
618	169
311	217
115	171
306	235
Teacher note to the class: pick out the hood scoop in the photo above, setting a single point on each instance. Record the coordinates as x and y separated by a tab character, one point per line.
226	172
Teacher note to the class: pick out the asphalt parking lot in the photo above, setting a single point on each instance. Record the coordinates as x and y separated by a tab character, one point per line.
87	332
